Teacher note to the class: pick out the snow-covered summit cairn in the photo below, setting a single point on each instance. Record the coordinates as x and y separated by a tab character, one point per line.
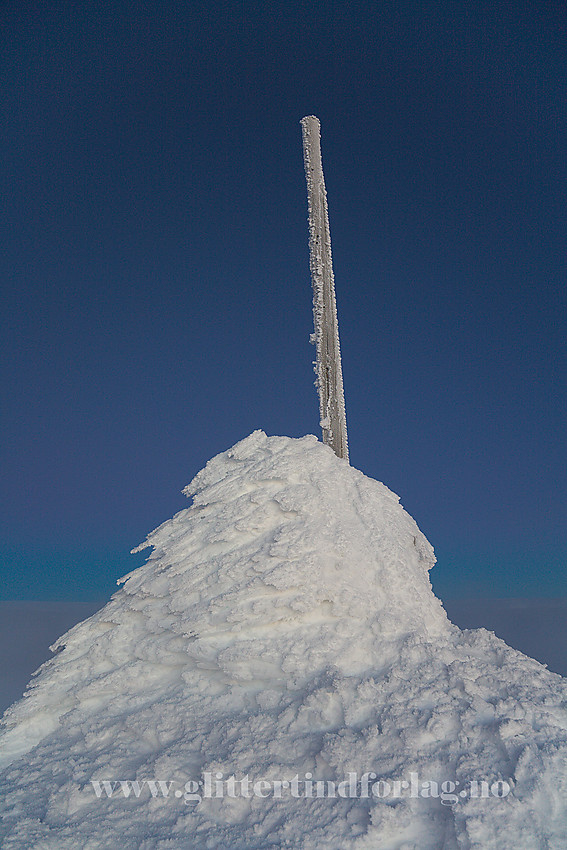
284	631
328	368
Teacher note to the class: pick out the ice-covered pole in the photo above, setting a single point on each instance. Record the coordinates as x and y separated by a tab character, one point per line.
328	369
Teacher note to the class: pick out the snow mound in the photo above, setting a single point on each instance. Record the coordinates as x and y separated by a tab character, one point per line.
284	629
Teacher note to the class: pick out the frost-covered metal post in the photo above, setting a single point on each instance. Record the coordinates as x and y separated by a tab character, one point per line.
328	369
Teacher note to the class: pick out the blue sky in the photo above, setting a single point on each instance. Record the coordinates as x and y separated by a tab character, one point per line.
156	304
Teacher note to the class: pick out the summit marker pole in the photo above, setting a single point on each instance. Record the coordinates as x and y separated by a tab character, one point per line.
328	368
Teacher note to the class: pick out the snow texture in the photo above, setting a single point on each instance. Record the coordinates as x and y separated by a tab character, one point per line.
284	624
328	369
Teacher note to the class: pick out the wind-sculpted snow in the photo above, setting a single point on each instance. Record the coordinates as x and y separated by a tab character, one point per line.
284	626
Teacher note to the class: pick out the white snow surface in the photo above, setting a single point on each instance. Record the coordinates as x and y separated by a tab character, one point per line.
284	624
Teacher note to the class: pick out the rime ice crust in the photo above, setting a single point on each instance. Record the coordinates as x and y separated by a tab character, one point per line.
328	369
284	623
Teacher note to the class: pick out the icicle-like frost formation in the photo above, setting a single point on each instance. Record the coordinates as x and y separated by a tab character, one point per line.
328	361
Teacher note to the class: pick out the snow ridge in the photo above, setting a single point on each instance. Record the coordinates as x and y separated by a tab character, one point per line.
284	624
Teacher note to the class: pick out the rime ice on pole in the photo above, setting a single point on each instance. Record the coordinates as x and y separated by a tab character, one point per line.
328	368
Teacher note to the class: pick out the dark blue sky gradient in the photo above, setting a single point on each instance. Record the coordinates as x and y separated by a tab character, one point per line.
156	301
